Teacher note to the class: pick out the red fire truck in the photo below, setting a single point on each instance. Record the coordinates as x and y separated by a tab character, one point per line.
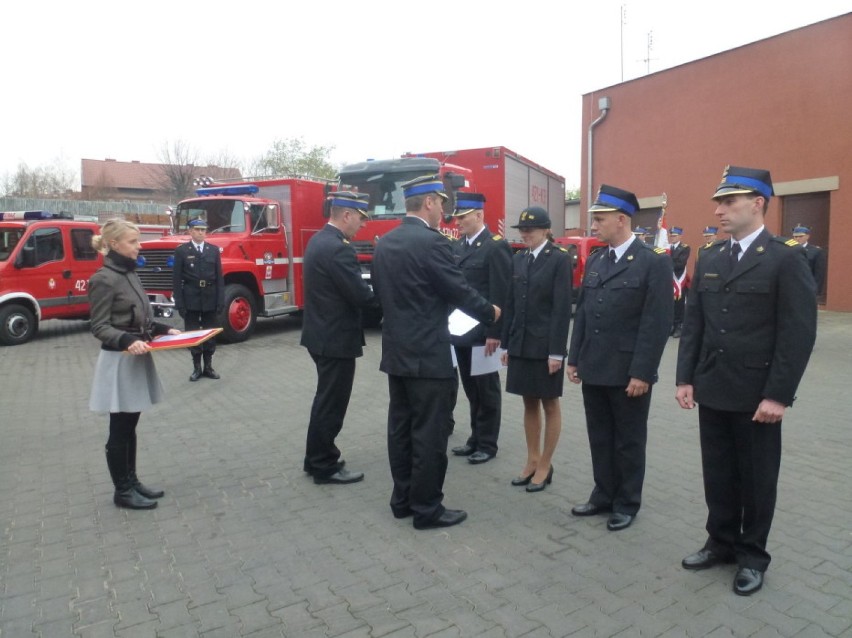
261	228
46	260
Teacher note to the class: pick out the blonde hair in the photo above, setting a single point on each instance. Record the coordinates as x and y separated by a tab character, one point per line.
113	230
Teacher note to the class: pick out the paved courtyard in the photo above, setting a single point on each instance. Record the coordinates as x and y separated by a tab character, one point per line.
244	543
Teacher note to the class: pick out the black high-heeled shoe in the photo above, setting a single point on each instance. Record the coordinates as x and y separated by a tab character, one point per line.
523	480
539	487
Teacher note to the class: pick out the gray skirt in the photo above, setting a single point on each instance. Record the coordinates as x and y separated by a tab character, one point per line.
124	383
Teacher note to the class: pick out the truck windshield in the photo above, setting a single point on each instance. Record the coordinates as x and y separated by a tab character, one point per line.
9	238
385	191
222	215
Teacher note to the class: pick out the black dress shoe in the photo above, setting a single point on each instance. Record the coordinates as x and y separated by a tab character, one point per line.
522	480
479	457
464	450
747	581
705	558
210	373
340	477
619	520
589	509
447	519
196	374
539	487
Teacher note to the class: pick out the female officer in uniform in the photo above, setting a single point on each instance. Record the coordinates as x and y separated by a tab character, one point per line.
535	334
125	380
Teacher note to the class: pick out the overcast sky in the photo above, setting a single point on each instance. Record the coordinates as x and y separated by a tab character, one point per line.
374	78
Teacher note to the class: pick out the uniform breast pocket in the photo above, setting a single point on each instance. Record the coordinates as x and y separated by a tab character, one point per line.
753	287
592	280
709	285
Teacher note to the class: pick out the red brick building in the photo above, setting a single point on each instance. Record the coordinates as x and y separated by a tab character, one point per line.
139	181
782	103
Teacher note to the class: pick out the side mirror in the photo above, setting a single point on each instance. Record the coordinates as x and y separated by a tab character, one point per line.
25	258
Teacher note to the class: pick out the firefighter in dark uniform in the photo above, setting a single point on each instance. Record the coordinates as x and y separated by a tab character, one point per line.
709	233
816	257
680	256
486	261
335	293
749	331
199	292
535	336
621	325
418	283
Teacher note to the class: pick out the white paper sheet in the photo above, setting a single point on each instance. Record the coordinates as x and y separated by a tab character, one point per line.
460	323
480	364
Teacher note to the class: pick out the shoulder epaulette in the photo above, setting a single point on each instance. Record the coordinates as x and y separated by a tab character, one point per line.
345	241
708	244
718	242
660	251
791	242
497	237
684	245
564	250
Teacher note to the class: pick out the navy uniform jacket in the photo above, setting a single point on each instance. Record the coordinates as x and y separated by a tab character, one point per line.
190	270
538	312
418	283
487	267
335	292
749	331
623	317
818	264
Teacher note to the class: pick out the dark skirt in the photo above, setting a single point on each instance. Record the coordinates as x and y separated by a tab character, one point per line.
530	378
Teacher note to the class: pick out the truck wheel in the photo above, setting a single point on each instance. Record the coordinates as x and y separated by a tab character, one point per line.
240	314
17	325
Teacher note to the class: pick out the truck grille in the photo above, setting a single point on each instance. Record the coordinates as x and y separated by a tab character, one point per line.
363	247
156	274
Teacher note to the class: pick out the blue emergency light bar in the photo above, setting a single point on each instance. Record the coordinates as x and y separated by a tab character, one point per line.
29	215
242	189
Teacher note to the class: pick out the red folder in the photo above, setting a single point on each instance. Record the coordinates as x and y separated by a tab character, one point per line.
184	339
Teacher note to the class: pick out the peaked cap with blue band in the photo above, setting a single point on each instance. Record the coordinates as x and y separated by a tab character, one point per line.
640	230
348	199
197	223
801	230
611	199
709	230
737	180
676	230
424	186
468	203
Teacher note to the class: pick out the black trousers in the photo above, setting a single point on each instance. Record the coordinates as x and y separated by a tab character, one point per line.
618	431
679	308
483	394
741	460
201	320
334	388
418	428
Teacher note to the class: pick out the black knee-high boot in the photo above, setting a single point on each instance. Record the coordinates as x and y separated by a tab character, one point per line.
147	492
125	494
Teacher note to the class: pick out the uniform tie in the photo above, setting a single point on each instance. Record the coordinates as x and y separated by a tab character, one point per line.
736	249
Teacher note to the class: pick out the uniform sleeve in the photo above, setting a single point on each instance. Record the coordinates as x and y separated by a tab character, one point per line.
499	278
220	280
346	274
796	319
579	322
177	279
656	321
692	333
447	278
560	318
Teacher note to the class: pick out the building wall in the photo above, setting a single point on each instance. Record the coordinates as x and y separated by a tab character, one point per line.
782	104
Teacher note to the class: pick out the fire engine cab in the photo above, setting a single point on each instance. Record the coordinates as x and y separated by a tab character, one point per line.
261	228
46	260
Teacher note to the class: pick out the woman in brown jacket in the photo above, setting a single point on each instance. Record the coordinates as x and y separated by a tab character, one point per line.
123	385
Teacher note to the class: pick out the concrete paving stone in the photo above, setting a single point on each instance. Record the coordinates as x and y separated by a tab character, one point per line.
556	619
166	591
382	622
513	623
214	615
55	609
240	594
339	619
279	595
173	614
17	627
20	606
123	570
187	631
54	629
202	593
831	623
297	618
95	611
223	632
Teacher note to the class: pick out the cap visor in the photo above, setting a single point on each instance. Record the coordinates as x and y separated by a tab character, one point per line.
464	211
733	190
600	208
